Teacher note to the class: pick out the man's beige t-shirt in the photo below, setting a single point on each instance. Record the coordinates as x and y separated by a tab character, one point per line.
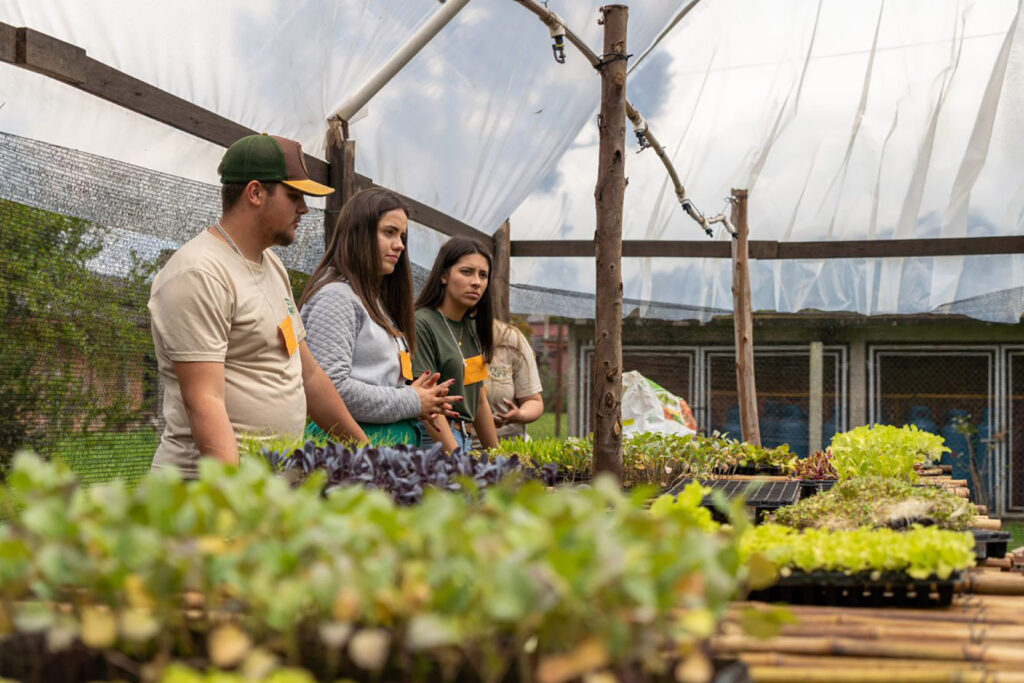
513	374
210	304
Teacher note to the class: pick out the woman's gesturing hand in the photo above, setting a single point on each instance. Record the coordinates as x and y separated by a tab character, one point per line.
434	398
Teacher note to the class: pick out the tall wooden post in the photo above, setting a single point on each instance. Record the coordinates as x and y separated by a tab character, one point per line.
341	174
501	267
815	397
559	379
743	322
611	187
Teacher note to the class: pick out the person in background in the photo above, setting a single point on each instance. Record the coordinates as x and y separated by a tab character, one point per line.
454	336
358	312
514	388
229	343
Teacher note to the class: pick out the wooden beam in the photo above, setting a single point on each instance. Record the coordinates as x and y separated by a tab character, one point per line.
500	272
341	158
608	196
815	398
764	249
743	323
46	55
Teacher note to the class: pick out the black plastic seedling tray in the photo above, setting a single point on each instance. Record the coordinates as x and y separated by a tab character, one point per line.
756	470
762	496
990	543
811	487
835	589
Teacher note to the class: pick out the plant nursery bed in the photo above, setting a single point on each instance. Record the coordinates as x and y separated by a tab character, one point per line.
811	487
762	496
990	543
836	589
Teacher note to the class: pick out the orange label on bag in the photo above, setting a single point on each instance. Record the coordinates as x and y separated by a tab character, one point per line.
476	370
406	360
288	330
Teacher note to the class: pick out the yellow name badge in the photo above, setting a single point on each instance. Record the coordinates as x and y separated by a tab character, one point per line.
406	364
476	370
288	330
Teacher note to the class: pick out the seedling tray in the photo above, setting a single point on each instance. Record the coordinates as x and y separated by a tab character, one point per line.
755	470
990	543
836	589
762	496
811	487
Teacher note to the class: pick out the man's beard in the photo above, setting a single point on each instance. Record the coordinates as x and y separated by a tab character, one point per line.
284	238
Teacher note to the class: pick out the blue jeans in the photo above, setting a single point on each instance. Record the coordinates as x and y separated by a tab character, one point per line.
462	440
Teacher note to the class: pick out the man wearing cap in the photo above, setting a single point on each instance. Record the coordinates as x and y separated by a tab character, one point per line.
230	344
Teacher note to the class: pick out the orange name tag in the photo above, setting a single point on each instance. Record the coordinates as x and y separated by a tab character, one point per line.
406	364
476	370
288	330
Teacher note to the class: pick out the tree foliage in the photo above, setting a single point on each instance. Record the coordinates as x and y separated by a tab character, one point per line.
70	337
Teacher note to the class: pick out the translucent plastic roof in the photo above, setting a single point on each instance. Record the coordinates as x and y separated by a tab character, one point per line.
846	119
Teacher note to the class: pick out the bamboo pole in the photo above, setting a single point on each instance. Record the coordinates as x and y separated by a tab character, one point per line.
965	609
998	562
815	661
1000	583
909	630
988	523
850	673
609	194
900	649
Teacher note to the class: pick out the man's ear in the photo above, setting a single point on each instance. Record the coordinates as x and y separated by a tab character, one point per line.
254	193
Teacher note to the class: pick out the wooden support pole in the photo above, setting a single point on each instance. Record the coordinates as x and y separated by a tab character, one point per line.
559	378
743	322
501	266
611	188
341	175
815	398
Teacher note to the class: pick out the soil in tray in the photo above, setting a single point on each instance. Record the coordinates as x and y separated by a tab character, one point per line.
859	590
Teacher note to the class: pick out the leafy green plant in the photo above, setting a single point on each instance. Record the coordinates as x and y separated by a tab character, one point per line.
65	330
688	505
921	553
240	566
816	467
652	458
878	502
885	451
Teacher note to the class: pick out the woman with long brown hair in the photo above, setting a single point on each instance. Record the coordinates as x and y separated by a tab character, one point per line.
358	312
454	336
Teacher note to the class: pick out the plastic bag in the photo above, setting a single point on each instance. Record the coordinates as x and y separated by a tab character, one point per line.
648	407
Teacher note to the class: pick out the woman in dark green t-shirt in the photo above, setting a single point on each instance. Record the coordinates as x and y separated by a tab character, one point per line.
454	337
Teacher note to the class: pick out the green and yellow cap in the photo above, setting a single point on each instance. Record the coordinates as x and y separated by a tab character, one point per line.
269	158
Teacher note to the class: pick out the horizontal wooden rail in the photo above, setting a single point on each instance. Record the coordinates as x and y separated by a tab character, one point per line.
62	61
763	249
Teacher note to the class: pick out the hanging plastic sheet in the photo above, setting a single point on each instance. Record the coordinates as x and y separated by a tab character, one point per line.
845	120
468	127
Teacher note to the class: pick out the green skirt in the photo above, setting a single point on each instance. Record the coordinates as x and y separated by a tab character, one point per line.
401	432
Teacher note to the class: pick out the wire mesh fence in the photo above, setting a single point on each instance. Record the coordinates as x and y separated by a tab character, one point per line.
782	378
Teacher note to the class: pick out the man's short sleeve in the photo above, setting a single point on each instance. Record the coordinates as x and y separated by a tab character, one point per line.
526	377
191	315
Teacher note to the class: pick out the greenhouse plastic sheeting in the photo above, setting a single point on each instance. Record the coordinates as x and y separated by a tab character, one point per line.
846	121
468	127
